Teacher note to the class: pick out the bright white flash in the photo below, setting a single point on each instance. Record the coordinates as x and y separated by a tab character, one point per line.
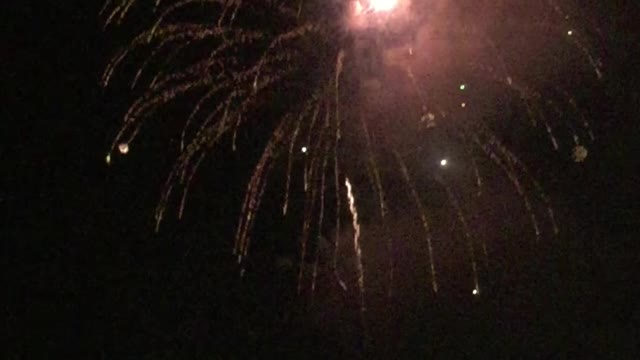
383	5
475	291
304	149
443	162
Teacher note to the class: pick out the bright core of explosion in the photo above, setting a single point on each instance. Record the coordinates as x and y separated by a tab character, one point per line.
383	5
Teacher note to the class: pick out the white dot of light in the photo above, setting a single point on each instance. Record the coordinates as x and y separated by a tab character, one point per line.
123	148
463	105
108	159
570	32
383	5
304	149
443	162
475	292
462	86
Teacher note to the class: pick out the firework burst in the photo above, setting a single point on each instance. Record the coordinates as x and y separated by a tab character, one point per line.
389	101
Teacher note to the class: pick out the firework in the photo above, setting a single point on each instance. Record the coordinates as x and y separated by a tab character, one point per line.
403	94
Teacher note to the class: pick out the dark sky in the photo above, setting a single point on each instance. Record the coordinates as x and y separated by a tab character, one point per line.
85	274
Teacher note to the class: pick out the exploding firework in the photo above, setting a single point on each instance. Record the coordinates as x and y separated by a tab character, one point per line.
391	103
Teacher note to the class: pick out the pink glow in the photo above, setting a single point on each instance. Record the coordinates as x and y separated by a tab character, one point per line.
383	5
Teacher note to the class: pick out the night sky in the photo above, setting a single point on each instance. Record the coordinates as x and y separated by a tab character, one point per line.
87	276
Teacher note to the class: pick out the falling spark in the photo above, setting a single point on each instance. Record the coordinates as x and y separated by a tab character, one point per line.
443	162
304	149
123	148
579	153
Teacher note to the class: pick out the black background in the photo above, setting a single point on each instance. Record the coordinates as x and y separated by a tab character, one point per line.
85	274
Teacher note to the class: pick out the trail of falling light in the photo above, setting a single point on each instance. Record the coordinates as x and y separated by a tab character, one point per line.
423	217
255	189
180	167
290	35
516	162
168	11
147	61
205	136
309	205
187	185
526	94
320	223
478	194
381	202
196	109
169	34
467	235
356	243
559	113
336	168
476	170
417	89
313	169
306	162
547	127
511	174
292	143
122	8
585	123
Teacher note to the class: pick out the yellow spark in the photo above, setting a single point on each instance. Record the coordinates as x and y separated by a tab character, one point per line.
107	159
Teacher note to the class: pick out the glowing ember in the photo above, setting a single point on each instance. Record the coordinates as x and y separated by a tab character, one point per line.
124	148
579	153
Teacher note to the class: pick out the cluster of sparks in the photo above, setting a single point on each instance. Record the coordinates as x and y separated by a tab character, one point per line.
240	71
